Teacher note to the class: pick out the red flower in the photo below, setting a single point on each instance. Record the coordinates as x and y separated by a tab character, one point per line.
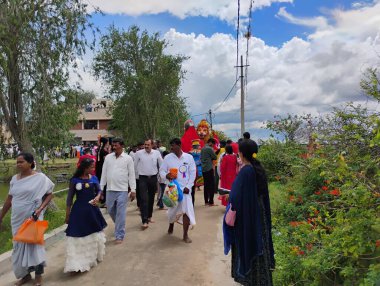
325	188
291	198
300	199
301	252
309	246
335	192
295	223
377	243
317	193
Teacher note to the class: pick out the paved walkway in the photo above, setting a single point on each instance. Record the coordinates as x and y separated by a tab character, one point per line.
151	257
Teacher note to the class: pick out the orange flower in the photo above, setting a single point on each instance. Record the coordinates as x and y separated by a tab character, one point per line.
291	198
309	246
316	212
335	192
295	223
301	252
325	188
300	199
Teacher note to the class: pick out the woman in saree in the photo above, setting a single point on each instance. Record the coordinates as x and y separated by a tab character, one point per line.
29	192
250	239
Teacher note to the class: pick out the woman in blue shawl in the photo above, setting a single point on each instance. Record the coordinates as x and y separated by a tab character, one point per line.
250	240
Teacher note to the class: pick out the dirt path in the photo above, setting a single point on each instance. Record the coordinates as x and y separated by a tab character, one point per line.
151	257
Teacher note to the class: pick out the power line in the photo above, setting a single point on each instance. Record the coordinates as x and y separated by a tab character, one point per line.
248	36
232	88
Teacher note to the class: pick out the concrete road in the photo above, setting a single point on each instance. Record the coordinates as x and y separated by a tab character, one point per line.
151	257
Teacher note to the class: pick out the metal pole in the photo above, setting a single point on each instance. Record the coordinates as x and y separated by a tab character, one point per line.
242	97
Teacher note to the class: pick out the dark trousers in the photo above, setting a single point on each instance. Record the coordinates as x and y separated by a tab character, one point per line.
138	198
160	204
148	188
209	186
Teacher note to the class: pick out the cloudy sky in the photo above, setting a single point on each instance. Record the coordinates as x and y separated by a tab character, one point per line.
304	56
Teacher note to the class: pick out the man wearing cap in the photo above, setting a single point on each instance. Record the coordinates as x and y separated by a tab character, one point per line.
118	174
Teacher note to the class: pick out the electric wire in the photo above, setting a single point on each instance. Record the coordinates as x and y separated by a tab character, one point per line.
229	93
237	39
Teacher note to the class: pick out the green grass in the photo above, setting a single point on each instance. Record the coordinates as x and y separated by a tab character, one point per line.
277	194
55	218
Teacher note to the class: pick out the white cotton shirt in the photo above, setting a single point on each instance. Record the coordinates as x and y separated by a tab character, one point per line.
148	164
186	169
118	173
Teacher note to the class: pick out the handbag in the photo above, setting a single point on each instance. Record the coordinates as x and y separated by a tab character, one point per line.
230	216
31	231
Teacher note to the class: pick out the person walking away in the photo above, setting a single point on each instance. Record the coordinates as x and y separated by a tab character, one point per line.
147	162
85	244
196	153
185	165
29	193
207	158
228	170
219	152
250	239
87	154
118	174
101	155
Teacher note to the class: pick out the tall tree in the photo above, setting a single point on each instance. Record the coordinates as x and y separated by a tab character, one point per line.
144	82
39	42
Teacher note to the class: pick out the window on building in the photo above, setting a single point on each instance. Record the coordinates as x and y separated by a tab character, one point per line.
90	124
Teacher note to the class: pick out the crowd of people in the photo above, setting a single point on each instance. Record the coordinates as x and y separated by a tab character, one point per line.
115	175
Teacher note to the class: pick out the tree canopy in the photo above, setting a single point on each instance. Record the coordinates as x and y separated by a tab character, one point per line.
144	83
40	42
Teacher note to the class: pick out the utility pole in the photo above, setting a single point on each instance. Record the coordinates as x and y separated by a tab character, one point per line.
242	97
210	114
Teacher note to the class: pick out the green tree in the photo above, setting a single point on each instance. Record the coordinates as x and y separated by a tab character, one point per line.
39	42
144	82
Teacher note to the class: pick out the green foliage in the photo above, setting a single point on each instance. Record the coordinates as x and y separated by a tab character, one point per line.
326	229
370	84
40	42
144	81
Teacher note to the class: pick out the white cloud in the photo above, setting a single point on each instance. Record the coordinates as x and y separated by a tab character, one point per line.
319	22
301	76
222	9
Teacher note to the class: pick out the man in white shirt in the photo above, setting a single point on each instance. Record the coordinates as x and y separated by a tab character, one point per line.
185	165
147	164
118	174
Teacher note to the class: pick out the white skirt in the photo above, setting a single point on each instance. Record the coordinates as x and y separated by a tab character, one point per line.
82	253
184	207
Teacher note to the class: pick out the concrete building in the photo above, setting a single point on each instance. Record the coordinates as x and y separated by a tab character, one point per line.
93	122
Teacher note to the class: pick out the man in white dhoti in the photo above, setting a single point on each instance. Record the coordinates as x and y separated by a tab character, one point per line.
185	165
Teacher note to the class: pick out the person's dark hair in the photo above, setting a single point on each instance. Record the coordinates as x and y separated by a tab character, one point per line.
211	140
87	151
247	147
84	164
246	135
165	153
118	140
240	139
140	143
229	142
229	149
149	139
28	158
103	140
175	141
222	143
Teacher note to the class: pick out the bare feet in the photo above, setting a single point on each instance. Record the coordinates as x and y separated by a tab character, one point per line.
144	226
187	239
150	220
38	280
24	280
171	228
118	241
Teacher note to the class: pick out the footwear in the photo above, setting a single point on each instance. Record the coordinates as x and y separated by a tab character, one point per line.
24	280
150	220
171	228
212	205
144	226
187	239
118	241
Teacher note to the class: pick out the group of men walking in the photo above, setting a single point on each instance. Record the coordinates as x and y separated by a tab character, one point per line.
122	174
